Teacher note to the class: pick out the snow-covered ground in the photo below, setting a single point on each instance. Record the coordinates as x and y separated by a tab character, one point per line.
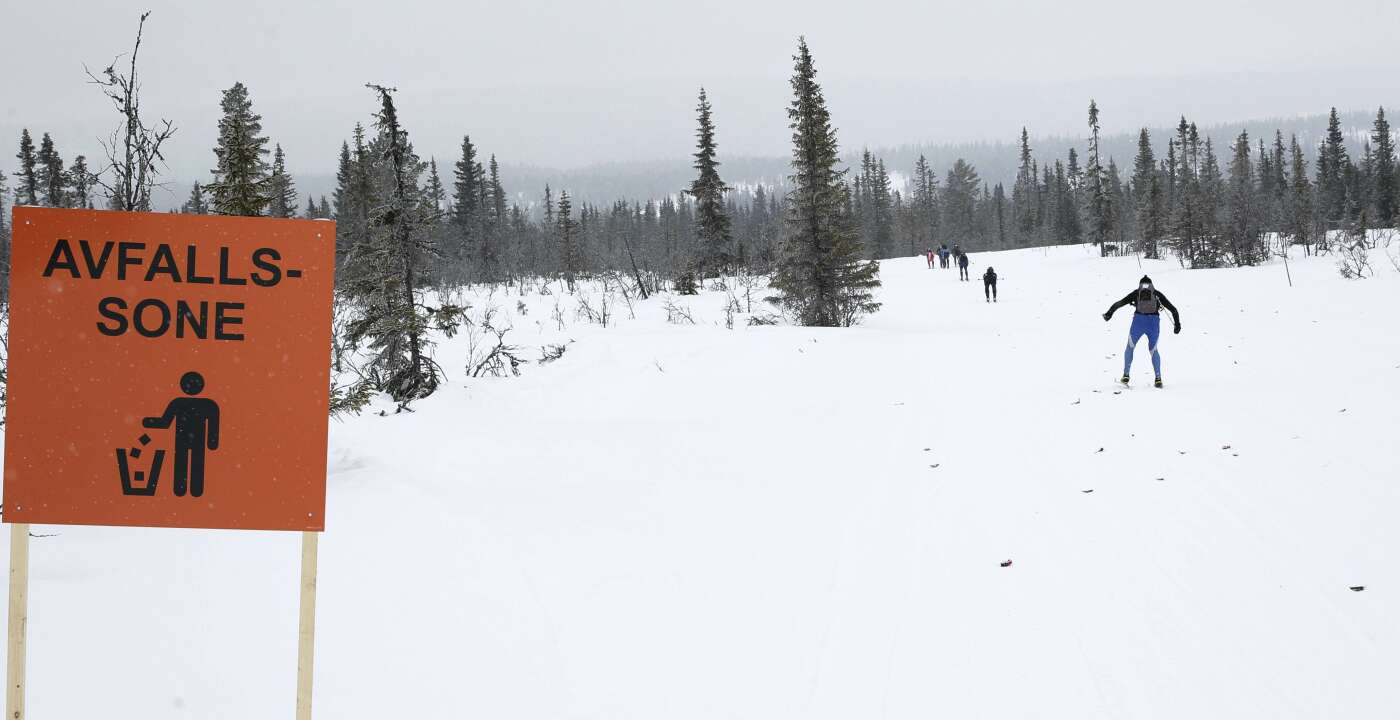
678	521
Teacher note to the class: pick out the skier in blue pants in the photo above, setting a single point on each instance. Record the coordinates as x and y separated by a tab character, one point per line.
1147	303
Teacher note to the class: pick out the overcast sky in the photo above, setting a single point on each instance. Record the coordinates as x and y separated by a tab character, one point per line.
564	83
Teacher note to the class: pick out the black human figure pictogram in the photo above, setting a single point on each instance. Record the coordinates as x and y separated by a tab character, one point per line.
196	428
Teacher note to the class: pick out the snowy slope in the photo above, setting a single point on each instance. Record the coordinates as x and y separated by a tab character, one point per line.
776	522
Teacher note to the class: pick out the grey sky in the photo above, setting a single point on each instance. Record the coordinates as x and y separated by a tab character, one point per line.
564	83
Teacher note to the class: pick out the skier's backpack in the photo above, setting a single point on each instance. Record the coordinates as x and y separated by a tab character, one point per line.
1146	300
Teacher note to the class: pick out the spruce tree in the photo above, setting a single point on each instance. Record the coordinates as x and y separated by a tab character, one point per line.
1386	189
1096	190
282	194
27	187
436	195
959	206
999	214
387	271
1277	199
241	184
1023	193
1168	170
1187	227
881	211
859	205
925	204
352	195
80	182
1147	188
1299	222
53	181
1361	184
1242	232
566	231
1212	199
342	182
1068	227
493	234
820	277
436	223
1121	214
466	207
712	222
362	183
196	204
1048	211
1332	165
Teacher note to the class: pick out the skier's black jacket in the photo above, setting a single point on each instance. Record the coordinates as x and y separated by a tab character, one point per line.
1131	299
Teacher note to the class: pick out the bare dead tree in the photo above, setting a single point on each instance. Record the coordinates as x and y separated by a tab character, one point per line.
636	273
134	148
615	279
602	314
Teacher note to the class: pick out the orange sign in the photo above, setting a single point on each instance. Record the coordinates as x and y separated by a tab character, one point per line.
168	370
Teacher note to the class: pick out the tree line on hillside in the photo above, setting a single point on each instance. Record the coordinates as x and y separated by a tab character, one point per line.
1205	208
1210	206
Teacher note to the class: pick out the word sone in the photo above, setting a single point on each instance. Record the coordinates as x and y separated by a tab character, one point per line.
152	318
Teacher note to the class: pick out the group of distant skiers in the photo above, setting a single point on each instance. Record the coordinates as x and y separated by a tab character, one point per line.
943	256
1147	302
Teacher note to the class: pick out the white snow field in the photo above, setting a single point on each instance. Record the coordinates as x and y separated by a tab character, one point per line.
693	522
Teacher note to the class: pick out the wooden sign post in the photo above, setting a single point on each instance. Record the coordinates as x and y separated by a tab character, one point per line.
167	371
19	620
306	632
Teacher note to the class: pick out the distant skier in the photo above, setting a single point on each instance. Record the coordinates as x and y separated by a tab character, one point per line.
943	256
962	266
1147	303
989	284
929	253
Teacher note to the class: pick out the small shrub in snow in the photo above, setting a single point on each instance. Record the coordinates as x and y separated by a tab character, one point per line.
731	308
749	283
1354	260
558	314
763	319
488	353
677	315
550	353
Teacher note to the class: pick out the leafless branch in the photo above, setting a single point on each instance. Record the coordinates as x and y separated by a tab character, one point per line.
134	148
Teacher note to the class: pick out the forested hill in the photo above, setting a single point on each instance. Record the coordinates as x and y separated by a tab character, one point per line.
995	162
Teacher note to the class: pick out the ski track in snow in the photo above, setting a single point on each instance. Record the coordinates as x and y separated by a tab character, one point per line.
694	522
